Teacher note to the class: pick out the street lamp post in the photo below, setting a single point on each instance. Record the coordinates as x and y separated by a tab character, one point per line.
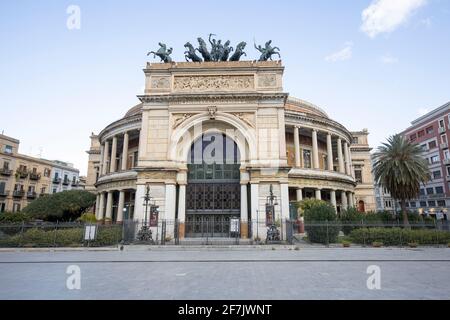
273	234
145	234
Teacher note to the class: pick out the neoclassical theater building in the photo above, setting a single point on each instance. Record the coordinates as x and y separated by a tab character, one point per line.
210	138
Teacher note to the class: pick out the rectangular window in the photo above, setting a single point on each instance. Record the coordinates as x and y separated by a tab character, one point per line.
413	204
432	144
8	149
306	158
437	174
429	130
444	138
423	203
430	191
441	123
413	137
355	140
16	207
43	190
54	190
439	190
441	203
432	203
421	133
358	175
422	192
2	187
135	159
434	159
6	165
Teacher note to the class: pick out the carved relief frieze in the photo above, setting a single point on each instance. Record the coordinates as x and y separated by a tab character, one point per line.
214	83
180	118
267	80
248	118
160	82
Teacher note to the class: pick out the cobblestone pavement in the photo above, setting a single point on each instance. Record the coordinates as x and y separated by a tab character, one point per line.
227	273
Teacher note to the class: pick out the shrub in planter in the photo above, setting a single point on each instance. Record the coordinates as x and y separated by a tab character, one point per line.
320	223
399	236
346	244
413	244
108	236
377	244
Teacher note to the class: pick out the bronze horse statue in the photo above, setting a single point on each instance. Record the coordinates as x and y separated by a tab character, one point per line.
267	51
163	53
226	51
190	53
239	51
203	49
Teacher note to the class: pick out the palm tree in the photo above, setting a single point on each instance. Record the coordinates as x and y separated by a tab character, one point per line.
400	168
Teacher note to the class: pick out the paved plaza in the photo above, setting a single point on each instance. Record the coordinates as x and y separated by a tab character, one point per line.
227	273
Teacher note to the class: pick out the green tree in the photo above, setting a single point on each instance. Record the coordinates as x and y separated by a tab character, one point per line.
400	168
62	206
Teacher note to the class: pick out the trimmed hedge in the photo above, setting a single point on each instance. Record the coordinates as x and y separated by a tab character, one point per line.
64	237
14	217
399	236
320	223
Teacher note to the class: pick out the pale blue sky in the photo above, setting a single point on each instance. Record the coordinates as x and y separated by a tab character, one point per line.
58	85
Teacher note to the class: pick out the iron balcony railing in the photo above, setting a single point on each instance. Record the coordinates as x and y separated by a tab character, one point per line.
4	193
74	183
66	182
5	172
31	195
22	174
35	176
56	180
18	193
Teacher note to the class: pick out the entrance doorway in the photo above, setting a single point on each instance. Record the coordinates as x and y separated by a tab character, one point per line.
213	196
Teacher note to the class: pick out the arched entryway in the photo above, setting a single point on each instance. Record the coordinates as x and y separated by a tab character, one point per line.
361	206
213	194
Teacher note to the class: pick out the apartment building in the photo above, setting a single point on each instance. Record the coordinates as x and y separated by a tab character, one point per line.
24	178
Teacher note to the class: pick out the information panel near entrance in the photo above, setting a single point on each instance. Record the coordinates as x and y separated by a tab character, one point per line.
213	190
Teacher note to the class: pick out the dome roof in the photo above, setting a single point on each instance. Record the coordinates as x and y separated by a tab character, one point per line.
294	104
137	109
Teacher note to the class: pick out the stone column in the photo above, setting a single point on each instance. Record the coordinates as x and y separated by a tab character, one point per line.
329	152
121	206
340	156
125	151
254	201
284	191
109	205
315	149
297	146
97	206
344	201
105	157
171	193
244	210
333	199
318	194
347	159
351	201
101	207
113	155
181	210
299	194
102	157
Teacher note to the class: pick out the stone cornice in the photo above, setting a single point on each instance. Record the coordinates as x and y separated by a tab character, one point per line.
122	125
322	175
292	118
196	98
117	176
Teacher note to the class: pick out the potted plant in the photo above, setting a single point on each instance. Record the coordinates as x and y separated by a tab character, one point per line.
413	244
377	244
346	244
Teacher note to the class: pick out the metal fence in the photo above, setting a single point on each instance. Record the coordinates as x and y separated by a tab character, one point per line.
225	232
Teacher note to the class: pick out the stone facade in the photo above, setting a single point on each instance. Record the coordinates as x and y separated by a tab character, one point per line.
24	178
282	142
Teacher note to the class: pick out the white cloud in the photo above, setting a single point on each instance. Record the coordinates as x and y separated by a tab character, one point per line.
341	55
422	111
387	15
426	22
388	59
